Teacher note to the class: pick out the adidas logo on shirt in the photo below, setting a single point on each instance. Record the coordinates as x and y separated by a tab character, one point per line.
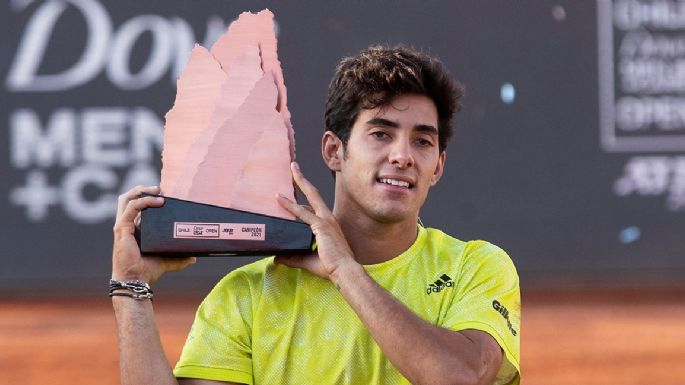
443	282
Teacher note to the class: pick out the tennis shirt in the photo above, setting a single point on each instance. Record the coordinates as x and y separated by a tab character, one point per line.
271	324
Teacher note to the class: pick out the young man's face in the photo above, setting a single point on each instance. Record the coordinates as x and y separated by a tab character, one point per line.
391	160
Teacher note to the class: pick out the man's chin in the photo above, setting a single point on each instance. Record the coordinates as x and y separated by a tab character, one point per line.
389	217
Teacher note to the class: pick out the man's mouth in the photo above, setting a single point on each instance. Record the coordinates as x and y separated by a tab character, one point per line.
395	182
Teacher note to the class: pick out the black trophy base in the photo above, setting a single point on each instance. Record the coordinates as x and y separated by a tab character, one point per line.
183	228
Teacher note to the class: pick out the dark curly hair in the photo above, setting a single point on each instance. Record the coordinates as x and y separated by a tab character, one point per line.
377	75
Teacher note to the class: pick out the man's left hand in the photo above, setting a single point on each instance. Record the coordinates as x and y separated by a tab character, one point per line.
333	251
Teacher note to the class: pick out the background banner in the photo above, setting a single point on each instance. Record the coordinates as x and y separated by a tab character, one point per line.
569	151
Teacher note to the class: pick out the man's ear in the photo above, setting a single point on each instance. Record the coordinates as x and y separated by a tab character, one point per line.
439	168
332	150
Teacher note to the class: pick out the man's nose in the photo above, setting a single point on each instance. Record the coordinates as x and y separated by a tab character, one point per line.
400	154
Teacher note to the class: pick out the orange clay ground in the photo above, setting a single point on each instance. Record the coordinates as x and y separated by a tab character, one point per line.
578	337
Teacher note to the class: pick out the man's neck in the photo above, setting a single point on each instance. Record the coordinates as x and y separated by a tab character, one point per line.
373	242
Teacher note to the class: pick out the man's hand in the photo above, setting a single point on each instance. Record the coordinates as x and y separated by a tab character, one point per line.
333	251
127	263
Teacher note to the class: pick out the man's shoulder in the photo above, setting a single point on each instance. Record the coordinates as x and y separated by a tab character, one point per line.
477	251
438	240
434	234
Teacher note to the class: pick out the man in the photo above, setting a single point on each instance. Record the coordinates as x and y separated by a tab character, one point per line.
383	300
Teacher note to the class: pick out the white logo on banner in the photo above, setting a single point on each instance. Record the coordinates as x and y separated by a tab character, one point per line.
81	158
642	94
106	49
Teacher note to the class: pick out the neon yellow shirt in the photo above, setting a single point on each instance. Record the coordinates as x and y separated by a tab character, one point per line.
270	324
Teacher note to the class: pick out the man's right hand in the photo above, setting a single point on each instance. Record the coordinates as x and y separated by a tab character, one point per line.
127	262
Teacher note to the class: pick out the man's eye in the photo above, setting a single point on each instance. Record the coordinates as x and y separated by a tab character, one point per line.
379	134
424	142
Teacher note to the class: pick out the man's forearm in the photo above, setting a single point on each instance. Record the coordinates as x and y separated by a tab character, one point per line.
142	358
422	352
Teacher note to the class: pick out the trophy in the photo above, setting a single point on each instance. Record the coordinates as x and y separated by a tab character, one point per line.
228	144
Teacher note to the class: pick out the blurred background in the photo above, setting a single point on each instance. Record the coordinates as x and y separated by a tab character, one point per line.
569	153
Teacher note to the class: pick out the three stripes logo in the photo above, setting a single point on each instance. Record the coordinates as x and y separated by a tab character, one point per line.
443	282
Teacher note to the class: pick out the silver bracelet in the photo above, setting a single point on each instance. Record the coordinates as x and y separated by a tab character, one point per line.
134	289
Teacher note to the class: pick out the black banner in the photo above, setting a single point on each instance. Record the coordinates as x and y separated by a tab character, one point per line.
569	152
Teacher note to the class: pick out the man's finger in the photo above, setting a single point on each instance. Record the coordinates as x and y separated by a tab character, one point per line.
304	213
309	191
136	222
134	193
134	207
174	264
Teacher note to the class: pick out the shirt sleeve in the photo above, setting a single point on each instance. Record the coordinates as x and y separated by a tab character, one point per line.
219	345
488	298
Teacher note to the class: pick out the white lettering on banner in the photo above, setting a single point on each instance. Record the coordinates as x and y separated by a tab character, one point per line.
75	204
30	144
640	44
642	83
172	40
160	54
652	75
99	141
663	14
102	133
654	176
36	195
642	75
665	113
22	75
80	158
146	135
103	136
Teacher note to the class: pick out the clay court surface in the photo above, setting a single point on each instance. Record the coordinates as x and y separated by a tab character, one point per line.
579	337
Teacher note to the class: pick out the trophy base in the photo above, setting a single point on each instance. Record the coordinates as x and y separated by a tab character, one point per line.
183	228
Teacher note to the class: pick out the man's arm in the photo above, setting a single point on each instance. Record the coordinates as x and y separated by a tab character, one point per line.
422	352
142	358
